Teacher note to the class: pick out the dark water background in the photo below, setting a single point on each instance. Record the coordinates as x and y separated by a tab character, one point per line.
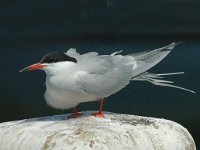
29	29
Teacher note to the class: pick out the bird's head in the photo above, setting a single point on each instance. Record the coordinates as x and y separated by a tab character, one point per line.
50	61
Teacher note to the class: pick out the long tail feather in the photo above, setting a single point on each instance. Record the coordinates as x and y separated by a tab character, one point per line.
156	79
147	59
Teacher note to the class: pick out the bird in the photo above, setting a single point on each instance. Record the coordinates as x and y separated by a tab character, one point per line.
73	78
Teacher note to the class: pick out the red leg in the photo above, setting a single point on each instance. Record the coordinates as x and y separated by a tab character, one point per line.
99	114
74	114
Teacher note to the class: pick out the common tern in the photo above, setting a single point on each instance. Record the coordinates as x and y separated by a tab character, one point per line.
72	78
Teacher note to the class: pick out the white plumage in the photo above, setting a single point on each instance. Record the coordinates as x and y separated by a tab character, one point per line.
98	76
72	78
92	77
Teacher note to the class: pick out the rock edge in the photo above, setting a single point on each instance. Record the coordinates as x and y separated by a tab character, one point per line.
114	132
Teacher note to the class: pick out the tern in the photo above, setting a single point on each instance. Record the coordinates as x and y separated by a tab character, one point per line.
72	78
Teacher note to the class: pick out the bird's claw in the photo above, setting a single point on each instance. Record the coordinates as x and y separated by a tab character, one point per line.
98	114
74	115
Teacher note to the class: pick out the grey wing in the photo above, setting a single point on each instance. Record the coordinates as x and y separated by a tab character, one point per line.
105	75
148	59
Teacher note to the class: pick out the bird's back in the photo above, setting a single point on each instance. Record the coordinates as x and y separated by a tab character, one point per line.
104	75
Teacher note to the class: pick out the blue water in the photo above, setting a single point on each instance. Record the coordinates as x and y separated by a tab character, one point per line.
22	93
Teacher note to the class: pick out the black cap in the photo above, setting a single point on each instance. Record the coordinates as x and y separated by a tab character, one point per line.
54	57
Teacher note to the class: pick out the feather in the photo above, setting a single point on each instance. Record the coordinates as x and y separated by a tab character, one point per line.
153	78
72	52
147	59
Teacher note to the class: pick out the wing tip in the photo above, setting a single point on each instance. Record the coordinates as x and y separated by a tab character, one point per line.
173	44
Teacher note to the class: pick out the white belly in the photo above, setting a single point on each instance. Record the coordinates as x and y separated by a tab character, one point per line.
65	97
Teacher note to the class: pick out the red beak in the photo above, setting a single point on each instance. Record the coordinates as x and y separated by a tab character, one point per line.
33	67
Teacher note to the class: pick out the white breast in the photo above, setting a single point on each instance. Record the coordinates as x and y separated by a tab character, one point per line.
62	92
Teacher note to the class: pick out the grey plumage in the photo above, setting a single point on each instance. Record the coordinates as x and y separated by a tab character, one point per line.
147	59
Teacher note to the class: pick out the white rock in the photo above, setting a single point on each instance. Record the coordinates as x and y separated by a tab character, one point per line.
114	132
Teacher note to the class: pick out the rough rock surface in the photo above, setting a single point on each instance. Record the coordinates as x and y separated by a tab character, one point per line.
114	132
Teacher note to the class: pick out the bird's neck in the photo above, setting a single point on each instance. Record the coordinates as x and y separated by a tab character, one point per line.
60	68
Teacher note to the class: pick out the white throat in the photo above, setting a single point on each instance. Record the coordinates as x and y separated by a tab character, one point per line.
59	68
